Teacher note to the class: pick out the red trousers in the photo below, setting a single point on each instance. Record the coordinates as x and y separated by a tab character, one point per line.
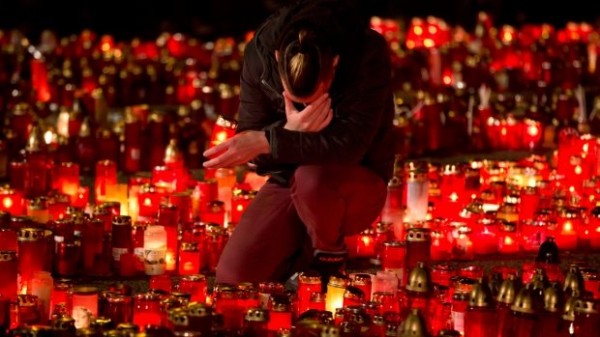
283	226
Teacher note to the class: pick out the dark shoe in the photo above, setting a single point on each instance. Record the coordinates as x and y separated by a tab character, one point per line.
329	264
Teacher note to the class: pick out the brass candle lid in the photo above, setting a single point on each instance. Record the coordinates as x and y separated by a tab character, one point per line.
419	279
258	315
481	295
309	277
508	290
8	255
413	326
554	298
198	309
573	280
524	302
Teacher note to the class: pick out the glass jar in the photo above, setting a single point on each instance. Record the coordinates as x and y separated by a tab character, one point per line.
280	315
32	245
146	309
84	305
195	285
363	281
8	276
394	259
255	322
118	308
200	317
189	258
155	250
418	247
121	239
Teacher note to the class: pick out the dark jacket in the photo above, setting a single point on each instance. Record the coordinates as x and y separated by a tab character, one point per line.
361	131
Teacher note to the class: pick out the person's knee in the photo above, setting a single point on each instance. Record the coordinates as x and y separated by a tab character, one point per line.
308	181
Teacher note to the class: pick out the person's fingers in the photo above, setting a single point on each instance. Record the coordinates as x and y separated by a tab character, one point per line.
289	106
215	150
325	121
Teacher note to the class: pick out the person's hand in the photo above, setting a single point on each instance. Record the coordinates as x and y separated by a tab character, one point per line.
313	118
237	150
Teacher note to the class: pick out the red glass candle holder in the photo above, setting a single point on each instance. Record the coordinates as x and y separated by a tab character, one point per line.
508	239
148	202
189	258
8	276
308	283
223	129
196	286
146	309
105	179
67	178
394	259
121	238
32	244
11	201
204	191
83	301
118	308
240	202
418	247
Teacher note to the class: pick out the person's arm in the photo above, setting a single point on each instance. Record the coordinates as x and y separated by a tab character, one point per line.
357	117
255	110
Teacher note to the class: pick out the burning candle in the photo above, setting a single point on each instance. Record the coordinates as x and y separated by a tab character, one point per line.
204	192
67	178
105	179
121	238
394	259
11	201
146	309
418	246
223	129
8	276
417	196
308	283
189	258
155	250
508	242
240	202
84	304
569	223
196	286
41	286
485	238
32	245
336	287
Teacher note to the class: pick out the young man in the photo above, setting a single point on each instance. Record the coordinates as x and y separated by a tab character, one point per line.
316	111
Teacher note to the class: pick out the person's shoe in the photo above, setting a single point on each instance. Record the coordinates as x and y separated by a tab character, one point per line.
329	264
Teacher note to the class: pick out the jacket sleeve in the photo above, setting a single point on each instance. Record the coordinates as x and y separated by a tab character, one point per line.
255	110
357	117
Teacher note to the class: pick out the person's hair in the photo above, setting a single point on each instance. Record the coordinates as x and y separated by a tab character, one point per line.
305	58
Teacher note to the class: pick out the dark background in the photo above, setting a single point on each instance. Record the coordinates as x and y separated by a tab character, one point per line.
208	18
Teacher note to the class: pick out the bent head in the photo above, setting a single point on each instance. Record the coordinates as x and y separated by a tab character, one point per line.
306	63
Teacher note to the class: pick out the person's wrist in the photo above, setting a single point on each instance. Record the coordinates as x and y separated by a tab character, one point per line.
267	141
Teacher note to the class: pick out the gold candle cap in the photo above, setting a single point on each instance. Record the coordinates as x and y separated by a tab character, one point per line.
508	290
449	333
257	315
586	306
361	279
35	142
129	328
198	309
189	246
8	255
413	326
569	310
30	234
481	295
419	279
172	153
418	235
524	302
122	220
178	316
554	298
338	281
573	280
309	277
